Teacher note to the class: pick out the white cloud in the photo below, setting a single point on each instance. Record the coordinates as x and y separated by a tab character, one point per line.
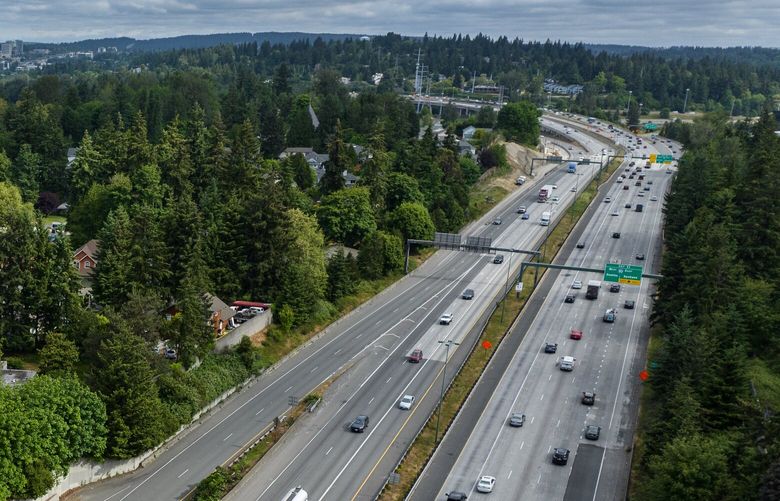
656	23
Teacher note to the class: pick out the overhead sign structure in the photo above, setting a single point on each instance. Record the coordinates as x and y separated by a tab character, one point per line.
554	159
623	273
664	159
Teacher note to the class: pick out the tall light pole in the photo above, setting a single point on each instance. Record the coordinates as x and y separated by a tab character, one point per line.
628	105
506	287
685	104
446	343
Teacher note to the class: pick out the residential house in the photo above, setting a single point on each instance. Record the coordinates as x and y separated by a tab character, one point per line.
465	148
219	313
469	131
317	161
72	152
85	259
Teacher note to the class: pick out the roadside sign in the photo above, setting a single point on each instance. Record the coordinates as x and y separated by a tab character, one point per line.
554	159
519	287
623	273
664	159
652	158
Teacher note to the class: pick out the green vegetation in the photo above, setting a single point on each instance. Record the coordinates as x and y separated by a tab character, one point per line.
709	426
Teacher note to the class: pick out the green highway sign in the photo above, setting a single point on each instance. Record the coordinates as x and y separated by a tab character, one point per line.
555	159
664	159
623	273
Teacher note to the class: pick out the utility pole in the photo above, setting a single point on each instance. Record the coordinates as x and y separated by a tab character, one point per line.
685	104
447	344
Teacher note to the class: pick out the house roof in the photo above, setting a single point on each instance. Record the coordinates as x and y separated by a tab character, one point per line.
217	305
89	249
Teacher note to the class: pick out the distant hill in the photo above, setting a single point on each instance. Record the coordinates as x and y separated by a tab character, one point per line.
752	55
186	41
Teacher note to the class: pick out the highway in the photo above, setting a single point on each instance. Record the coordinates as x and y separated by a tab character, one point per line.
329	461
608	359
368	347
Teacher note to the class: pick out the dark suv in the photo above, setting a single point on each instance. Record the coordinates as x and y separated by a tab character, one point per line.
560	456
588	398
468	294
359	425
456	496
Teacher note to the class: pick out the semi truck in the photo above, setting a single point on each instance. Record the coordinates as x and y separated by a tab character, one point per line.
572	168
545	192
545	221
593	289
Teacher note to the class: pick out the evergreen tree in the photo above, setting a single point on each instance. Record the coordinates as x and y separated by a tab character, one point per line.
338	163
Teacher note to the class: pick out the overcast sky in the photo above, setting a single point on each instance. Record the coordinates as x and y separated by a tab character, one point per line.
635	22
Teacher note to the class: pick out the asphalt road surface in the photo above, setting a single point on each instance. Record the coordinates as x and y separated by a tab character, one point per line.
608	360
369	347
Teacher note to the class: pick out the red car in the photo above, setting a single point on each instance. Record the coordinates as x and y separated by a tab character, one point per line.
416	356
575	334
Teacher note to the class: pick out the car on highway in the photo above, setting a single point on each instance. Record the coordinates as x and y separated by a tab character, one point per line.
610	315
640	257
668	171
575	334
650	182
445	319
497	221
406	402
569	298
573	189
592	432
456	496
647	188
525	216
580	245
588	397
654	198
615	213
555	200
416	356
555	186
550	347
560	456
468	294
625	186
631	164
517	419
607	200
485	484
577	284
566	363
640	194
616	234
627	206
614	287
498	259
521	209
638	183
359	425
629	304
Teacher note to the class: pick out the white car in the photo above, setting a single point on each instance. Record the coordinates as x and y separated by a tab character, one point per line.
577	284
607	200
445	319
486	484
615	213
654	198
406	402
555	200
574	189
555	186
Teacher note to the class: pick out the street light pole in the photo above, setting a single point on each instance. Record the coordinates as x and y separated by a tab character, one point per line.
628	105
447	344
685	104
506	287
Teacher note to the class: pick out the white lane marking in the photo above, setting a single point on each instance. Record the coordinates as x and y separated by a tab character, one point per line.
559	424
372	399
258	412
510	475
314	369
378	322
532	420
542	397
388	379
225	439
395	310
549	378
337	351
183	473
329	451
539	479
358	336
288	389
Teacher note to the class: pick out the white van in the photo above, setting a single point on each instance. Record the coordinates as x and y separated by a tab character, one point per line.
545	221
296	494
567	364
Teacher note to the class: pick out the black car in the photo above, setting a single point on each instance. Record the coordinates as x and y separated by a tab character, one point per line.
456	496
629	304
588	398
628	206
560	456
592	432
569	298
580	245
498	259
468	294
359	425
614	288
616	234
638	183
550	347
625	186
640	257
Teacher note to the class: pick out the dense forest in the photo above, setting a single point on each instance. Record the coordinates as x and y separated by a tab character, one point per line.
178	177
711	429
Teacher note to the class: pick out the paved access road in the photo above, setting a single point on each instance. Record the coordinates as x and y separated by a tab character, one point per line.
608	359
371	341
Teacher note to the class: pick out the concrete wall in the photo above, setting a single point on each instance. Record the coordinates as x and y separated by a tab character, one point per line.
248	328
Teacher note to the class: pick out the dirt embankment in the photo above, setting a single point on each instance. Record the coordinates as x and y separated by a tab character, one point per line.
519	158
